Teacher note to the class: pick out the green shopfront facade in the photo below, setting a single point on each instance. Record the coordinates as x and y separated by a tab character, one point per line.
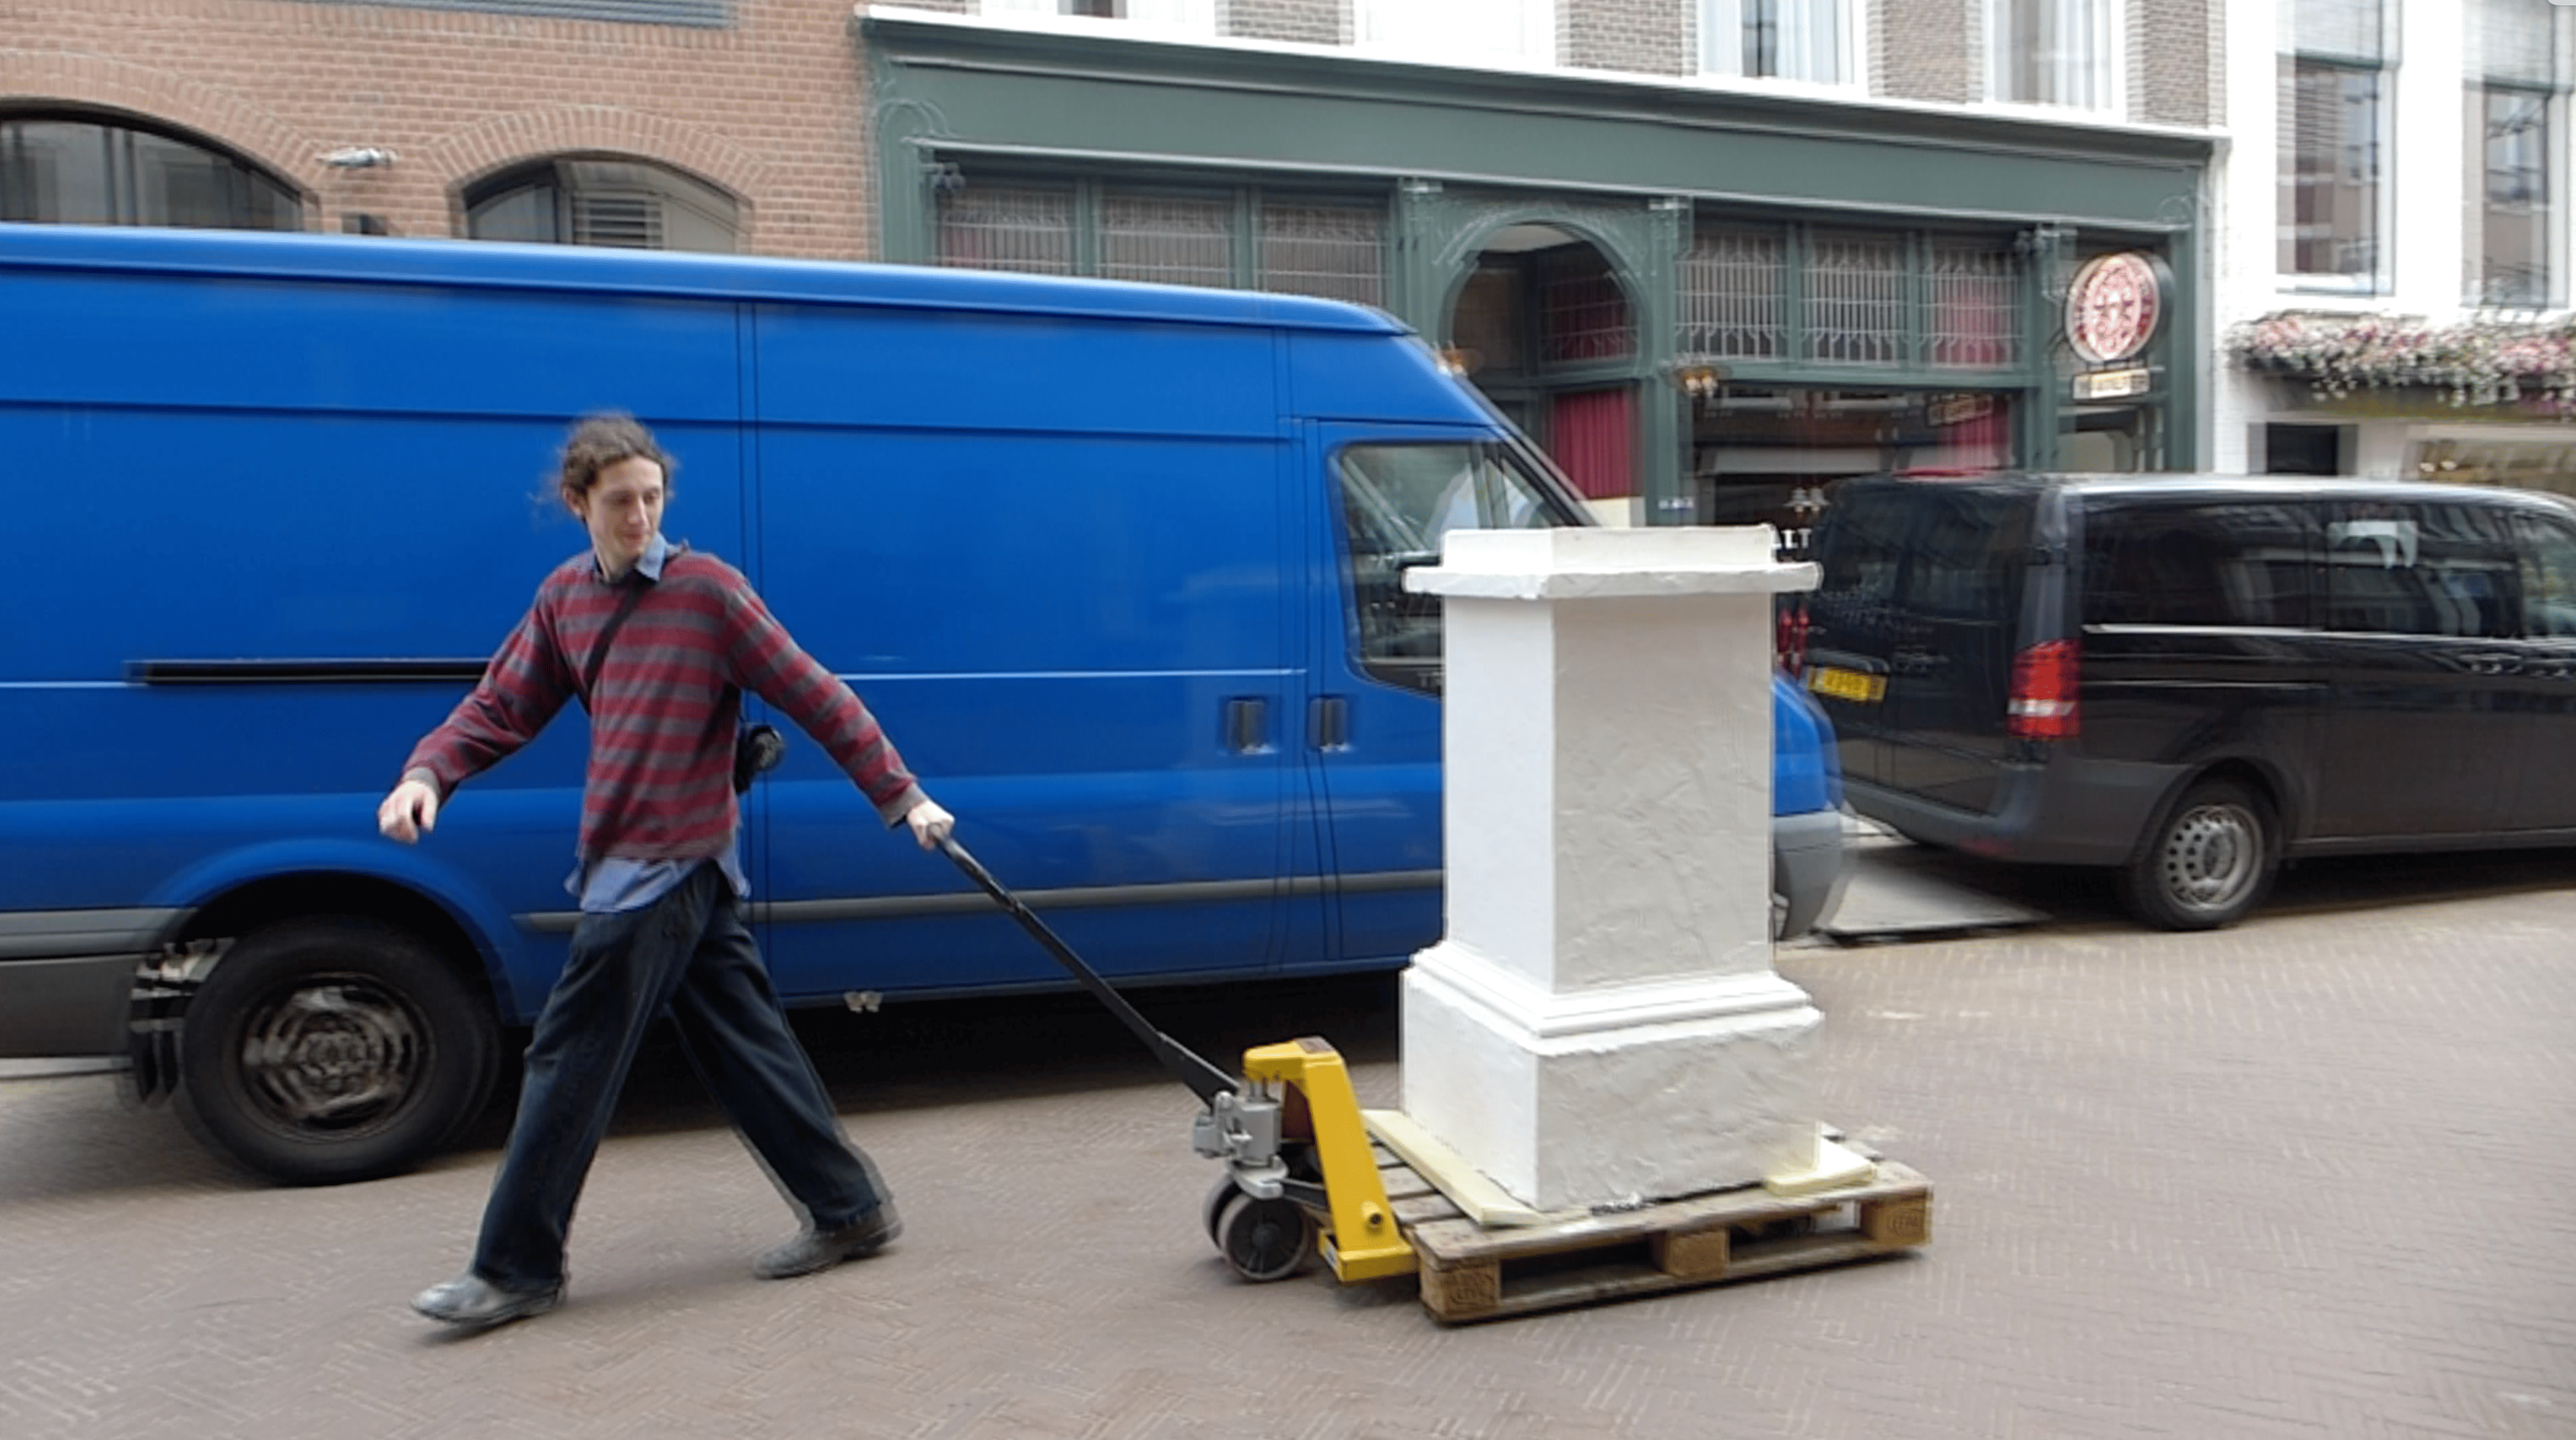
1701	302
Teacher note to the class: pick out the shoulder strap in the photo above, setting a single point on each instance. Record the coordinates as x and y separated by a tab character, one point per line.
634	588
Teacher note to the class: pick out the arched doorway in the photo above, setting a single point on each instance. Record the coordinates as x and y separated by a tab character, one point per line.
1544	327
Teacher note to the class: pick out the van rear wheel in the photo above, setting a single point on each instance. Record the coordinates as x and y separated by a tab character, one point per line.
327	1050
2209	861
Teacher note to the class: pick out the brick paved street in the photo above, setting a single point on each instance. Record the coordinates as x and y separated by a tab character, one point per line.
2307	1178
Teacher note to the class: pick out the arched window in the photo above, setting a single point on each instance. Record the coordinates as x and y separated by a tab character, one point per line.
583	201
75	170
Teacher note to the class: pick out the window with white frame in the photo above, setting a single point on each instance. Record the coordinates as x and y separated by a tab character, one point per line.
2053	52
2334	143
1817	41
1194	17
2517	81
1492	32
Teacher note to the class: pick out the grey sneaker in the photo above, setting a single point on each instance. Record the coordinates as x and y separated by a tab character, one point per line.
476	1303
822	1249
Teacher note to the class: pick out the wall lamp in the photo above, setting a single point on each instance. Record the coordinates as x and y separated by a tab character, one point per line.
1699	381
358	157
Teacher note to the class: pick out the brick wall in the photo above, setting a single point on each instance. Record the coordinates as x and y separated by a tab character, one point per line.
1927	50
1643	37
1311	22
768	109
2171	78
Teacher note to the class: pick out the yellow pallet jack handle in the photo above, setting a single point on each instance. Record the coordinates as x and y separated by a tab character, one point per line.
1362	1240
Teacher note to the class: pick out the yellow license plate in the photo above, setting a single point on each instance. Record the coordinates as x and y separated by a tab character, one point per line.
1849	685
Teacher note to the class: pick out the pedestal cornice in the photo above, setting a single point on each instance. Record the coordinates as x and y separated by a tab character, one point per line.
1585	564
1538	1014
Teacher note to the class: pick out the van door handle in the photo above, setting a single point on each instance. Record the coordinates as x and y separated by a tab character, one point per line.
1247	724
2493	664
1915	660
1328	722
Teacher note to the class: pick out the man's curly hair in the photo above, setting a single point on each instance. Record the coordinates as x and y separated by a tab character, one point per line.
602	440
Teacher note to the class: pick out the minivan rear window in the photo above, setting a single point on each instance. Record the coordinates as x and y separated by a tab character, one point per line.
1951	553
2199	564
1859	553
1967	550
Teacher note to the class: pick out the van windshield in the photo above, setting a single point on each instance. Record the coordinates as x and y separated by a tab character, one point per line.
1399	502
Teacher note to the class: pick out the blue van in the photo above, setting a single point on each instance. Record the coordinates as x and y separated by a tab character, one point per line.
1118	566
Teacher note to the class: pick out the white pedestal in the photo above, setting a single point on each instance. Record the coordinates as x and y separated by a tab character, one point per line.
1601	1024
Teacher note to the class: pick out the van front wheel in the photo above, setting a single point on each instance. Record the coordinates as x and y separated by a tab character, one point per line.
2208	863
328	1050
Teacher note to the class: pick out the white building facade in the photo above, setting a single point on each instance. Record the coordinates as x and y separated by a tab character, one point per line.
2392	241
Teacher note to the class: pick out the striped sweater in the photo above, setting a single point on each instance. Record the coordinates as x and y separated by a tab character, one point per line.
660	783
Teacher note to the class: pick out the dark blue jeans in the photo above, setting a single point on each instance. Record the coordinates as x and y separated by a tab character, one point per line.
689	953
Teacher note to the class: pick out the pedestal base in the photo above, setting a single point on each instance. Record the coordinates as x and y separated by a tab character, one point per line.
1610	1097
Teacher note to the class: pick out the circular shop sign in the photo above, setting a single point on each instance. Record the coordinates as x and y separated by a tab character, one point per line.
2114	306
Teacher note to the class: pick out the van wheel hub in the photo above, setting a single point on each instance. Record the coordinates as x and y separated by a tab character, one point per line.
332	1055
2213	853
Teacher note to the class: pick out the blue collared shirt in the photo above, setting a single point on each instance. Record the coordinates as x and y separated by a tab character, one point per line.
615	883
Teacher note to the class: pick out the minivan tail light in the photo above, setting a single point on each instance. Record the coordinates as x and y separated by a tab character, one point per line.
1789	642
2043	692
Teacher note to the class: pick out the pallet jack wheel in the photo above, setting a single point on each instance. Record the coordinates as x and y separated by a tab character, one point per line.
1212	1209
1264	1240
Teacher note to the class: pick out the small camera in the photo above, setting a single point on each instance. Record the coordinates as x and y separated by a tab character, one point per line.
757	750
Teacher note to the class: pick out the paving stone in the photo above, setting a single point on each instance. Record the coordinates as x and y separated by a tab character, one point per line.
2303	1178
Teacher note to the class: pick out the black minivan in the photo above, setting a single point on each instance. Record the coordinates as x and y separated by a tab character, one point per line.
2191	677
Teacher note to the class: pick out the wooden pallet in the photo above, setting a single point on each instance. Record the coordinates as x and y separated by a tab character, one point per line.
1472	1273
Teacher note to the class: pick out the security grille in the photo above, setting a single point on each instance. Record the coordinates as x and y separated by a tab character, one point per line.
1856	299
1007	228
701	13
2512	42
2353	28
1735	294
1168	239
1583	313
1976	315
1335	251
625	219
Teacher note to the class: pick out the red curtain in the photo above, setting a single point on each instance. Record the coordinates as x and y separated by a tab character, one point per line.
1592	438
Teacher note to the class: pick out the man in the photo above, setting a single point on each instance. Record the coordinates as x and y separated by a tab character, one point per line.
660	643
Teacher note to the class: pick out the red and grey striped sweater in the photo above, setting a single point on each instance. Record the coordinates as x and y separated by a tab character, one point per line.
660	783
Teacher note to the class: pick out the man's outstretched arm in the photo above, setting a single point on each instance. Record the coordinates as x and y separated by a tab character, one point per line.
520	691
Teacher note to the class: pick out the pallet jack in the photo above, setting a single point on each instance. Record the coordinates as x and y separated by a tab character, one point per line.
1301	1177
